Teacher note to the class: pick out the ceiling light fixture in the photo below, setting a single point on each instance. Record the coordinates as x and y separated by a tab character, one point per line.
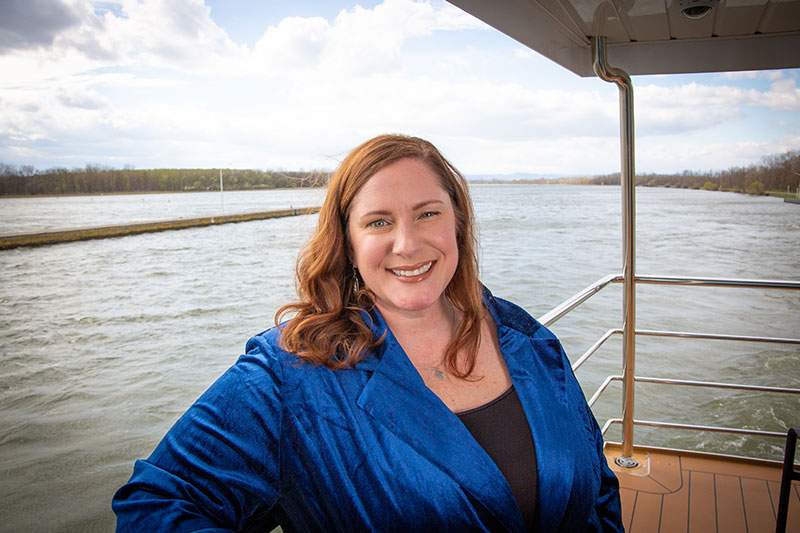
696	9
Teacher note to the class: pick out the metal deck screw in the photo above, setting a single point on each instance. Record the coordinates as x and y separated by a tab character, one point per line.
626	462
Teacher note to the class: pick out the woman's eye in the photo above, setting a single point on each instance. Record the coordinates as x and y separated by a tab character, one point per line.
429	214
380	223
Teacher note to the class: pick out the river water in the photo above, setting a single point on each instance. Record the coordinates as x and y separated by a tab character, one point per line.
104	343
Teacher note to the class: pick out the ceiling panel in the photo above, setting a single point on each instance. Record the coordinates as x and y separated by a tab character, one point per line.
781	16
739	17
646	20
651	36
595	17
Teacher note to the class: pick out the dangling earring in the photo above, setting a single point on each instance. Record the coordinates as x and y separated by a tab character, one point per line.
356	284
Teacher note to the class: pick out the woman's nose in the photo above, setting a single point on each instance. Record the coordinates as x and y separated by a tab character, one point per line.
406	240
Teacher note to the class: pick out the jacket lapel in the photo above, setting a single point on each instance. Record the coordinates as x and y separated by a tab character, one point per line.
541	394
539	379
397	397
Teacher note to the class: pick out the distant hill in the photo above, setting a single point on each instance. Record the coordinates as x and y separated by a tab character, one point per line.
516	176
523	177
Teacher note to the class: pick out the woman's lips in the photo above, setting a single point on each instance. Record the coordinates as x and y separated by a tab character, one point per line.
412	272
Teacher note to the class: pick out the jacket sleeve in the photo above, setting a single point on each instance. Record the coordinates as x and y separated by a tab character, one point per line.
607	506
218	467
607	509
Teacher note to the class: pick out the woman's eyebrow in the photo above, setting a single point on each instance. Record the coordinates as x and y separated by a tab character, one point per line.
426	203
384	212
374	213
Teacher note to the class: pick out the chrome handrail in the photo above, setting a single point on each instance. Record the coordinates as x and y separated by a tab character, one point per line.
715	336
594	347
675	425
691	383
628	276
677	334
627	182
552	316
574	301
718	282
565	307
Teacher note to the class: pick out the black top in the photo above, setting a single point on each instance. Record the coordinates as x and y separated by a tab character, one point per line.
501	427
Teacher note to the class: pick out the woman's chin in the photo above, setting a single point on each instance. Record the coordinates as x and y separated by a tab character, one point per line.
409	305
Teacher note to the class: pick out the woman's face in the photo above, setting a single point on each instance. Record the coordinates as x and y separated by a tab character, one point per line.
402	233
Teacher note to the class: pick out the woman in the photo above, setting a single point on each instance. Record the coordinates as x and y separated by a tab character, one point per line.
401	395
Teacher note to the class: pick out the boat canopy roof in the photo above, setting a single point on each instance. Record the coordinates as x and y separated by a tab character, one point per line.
652	36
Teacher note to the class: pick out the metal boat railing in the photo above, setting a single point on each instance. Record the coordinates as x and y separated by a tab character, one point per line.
630	279
573	302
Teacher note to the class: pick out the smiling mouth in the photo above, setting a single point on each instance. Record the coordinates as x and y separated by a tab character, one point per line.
410	273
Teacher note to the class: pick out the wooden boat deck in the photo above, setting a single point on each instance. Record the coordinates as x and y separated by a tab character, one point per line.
696	492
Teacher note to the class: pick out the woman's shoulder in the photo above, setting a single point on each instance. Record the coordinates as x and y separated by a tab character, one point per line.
263	352
513	316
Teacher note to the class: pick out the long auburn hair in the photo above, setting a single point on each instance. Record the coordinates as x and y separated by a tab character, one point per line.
327	327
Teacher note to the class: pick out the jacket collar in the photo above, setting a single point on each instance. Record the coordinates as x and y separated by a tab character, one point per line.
397	397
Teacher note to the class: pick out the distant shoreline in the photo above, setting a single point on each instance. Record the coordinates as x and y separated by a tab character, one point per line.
776	194
131	193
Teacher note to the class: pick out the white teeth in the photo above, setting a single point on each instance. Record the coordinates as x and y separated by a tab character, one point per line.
411	273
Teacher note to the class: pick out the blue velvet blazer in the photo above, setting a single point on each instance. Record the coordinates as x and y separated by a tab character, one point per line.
278	441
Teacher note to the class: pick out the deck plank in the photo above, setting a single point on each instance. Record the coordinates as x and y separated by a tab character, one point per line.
702	503
675	509
730	507
757	505
647	513
628	502
793	517
702	493
735	468
666	470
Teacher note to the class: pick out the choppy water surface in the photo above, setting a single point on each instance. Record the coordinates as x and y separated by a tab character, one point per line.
105	343
47	213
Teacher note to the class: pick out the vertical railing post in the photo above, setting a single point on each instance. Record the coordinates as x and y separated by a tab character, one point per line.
628	186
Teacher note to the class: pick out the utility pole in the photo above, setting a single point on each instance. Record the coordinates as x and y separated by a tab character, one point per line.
221	192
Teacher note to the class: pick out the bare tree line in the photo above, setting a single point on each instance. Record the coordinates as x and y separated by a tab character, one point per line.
93	179
778	172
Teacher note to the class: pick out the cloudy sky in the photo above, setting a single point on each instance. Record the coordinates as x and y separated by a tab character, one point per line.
291	84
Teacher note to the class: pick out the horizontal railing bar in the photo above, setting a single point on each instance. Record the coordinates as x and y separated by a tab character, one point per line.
714	336
716	429
555	314
582	359
719	282
766	462
574	301
692	383
737	386
678	334
601	388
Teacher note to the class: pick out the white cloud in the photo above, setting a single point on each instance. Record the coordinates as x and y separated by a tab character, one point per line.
158	83
693	106
176	34
359	41
82	99
26	24
665	109
783	94
696	153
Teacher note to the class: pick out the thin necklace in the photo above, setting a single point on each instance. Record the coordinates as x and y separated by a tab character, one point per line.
437	372
452	316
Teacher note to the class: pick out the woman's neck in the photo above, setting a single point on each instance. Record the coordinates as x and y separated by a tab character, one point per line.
425	334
